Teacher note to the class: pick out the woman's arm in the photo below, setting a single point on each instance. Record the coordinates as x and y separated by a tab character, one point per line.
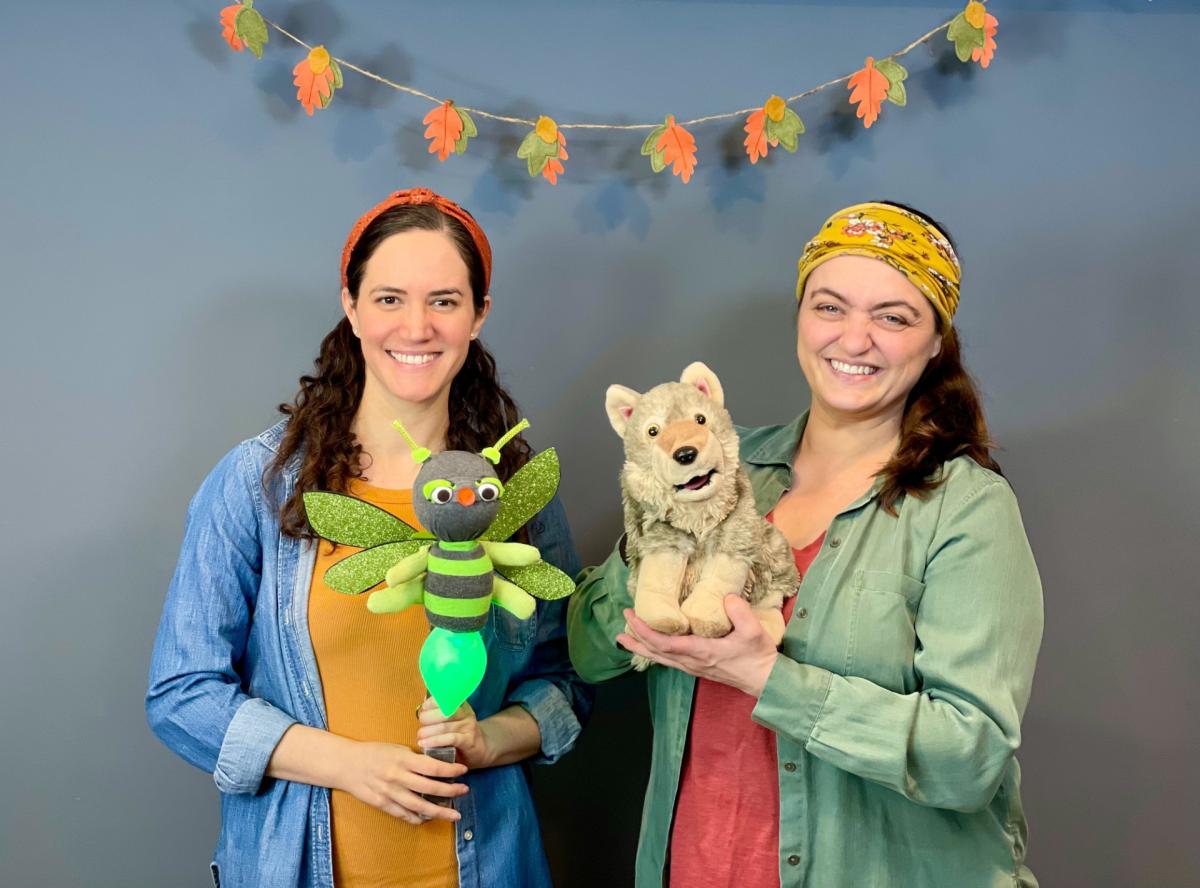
195	702
385	775
595	616
979	628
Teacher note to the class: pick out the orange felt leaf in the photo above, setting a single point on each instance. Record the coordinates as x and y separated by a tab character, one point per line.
314	78
553	168
984	55
756	135
229	27
445	127
868	88
678	149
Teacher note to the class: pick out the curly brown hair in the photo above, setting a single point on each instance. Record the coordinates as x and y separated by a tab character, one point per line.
320	416
943	419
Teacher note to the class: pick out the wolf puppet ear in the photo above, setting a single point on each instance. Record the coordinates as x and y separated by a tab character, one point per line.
619	402
701	377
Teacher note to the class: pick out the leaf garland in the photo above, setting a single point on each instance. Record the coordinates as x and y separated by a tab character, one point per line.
543	150
317	76
868	88
449	128
772	125
242	25
670	143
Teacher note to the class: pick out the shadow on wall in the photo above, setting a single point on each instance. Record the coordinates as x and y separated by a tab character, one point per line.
1108	500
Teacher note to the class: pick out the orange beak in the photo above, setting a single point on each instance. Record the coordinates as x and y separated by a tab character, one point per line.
466	496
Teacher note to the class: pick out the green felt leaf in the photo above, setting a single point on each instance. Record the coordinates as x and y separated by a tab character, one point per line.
251	28
648	148
337	75
534	151
525	494
658	161
964	36
325	99
786	131
367	568
895	74
468	131
541	580
352	522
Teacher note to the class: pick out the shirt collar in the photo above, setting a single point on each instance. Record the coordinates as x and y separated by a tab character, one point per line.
779	449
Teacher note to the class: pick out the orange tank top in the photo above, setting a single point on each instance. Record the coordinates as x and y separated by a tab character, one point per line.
368	667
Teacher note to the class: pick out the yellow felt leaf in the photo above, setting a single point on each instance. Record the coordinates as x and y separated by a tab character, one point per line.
975	14
547	130
774	108
318	60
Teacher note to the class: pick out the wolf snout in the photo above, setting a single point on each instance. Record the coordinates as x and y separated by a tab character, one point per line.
685	456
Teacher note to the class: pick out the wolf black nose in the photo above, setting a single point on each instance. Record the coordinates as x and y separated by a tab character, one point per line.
685	456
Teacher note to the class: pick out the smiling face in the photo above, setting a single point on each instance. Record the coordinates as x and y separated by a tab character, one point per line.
414	316
864	336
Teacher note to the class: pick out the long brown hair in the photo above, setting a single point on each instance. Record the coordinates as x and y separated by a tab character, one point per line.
943	419
320	416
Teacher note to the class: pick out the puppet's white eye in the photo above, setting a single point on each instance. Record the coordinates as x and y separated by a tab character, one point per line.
443	495
488	492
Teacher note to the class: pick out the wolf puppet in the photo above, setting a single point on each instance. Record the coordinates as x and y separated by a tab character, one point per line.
693	534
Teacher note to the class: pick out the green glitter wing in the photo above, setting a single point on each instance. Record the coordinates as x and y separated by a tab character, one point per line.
525	494
365	569
541	580
352	522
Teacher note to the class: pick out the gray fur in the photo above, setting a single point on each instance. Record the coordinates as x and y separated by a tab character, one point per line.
659	516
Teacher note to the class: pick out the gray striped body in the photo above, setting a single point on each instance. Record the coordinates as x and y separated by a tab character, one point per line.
450	587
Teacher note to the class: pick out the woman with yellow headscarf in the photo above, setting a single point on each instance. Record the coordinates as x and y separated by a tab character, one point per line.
875	746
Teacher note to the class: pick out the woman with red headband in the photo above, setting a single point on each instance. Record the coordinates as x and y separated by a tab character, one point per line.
307	709
873	748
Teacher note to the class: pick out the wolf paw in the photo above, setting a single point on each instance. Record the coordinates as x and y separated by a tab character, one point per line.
706	615
640	663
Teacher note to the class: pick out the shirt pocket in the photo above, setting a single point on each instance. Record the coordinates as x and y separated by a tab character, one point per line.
883	635
510	633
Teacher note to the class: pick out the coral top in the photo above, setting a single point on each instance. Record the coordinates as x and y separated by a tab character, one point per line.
726	828
368	666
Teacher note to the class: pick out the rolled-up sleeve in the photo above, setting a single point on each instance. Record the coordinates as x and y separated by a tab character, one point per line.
549	689
195	702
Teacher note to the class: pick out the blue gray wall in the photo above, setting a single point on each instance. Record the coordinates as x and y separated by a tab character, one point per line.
169	242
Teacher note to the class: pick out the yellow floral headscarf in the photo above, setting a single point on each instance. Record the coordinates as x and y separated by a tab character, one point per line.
900	238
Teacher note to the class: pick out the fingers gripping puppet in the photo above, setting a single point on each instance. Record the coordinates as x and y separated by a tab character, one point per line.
693	534
459	566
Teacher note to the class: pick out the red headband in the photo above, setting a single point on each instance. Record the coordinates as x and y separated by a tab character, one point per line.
417	197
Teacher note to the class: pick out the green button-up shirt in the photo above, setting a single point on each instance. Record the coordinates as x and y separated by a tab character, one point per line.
897	699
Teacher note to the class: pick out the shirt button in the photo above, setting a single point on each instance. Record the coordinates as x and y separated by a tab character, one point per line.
468	835
789	766
802	612
794	859
834	543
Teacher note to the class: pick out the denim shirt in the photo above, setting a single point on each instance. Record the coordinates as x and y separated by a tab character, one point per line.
233	667
897	698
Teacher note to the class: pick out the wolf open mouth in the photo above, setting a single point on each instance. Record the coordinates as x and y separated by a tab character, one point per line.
699	482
